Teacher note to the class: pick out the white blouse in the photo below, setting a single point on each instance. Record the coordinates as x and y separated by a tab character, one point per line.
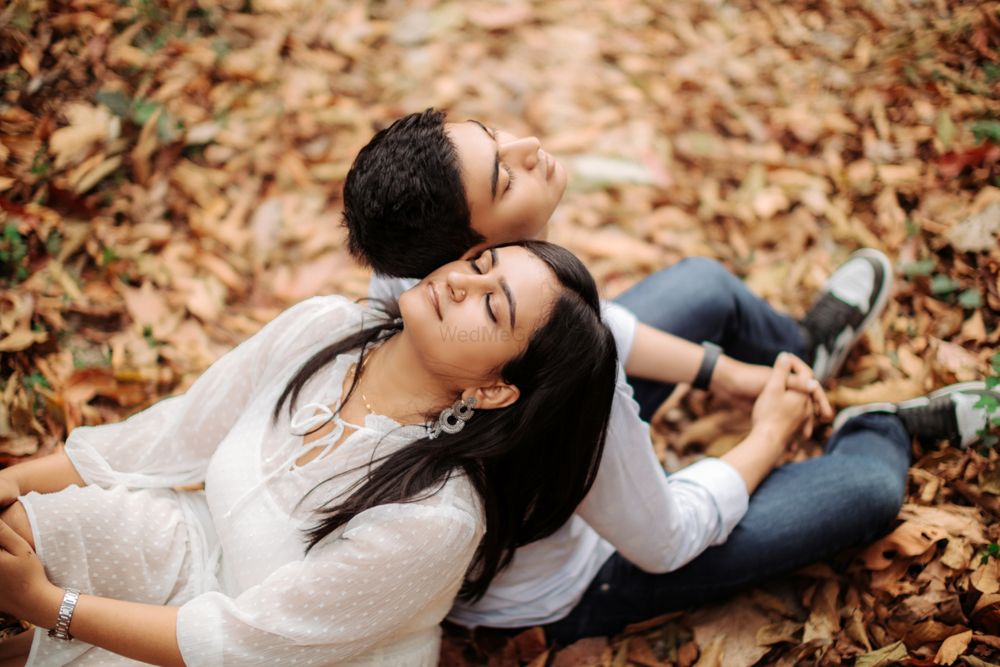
373	592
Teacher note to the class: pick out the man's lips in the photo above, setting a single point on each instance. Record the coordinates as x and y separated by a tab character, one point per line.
433	297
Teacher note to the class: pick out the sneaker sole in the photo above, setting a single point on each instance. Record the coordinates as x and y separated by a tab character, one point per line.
849	413
876	310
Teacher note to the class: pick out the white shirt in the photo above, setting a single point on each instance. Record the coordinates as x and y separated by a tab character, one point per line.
373	592
657	522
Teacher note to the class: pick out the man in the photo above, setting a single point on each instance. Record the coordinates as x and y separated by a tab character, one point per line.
424	192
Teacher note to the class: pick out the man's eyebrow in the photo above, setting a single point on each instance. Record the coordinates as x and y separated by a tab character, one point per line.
506	290
496	160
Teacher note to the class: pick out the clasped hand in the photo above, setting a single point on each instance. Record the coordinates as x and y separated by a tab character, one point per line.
742	382
25	590
790	400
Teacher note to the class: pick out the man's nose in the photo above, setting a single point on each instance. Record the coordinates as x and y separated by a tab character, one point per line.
522	150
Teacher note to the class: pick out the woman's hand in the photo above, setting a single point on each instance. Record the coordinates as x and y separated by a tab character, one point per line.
9	491
25	591
780	410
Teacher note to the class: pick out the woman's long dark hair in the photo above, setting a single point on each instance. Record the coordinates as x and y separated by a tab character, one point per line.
531	462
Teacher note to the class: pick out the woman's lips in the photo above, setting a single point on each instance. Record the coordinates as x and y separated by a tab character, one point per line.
550	165
433	297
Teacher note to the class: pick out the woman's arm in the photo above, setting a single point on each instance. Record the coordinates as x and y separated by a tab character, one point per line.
144	632
46	474
139	631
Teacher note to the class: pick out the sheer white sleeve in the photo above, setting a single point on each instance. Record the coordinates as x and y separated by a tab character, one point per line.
658	522
170	443
394	571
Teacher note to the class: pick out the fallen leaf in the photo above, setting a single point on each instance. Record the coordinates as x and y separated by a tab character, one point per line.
953	647
977	233
887	655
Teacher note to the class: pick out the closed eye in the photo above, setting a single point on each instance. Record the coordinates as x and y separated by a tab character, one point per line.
489	305
510	179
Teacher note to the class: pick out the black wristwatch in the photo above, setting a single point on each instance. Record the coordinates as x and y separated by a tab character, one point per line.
704	376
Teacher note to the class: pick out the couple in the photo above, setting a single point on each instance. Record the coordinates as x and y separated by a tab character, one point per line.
363	467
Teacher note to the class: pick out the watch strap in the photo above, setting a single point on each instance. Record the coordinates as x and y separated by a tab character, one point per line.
66	609
711	356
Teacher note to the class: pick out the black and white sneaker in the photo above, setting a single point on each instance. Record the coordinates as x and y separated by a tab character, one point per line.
853	297
955	413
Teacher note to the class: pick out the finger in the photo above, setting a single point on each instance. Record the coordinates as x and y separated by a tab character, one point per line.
799	366
11	542
822	402
801	383
778	380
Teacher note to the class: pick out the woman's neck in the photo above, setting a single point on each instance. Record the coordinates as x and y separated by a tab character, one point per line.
397	385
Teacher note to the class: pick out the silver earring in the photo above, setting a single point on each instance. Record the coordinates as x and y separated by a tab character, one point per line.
452	420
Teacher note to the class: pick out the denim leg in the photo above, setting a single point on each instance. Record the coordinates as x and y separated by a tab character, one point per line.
801	513
699	300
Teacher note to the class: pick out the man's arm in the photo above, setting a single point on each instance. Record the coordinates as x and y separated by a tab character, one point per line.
662	357
661	522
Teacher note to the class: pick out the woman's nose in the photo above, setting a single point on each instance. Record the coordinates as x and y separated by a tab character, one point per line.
460	284
522	150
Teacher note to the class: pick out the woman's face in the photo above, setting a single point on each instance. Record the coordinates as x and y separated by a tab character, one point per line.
511	184
469	317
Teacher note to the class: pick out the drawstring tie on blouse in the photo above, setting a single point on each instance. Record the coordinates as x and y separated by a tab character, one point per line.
307	419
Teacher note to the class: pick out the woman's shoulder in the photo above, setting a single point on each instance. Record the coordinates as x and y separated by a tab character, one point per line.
320	316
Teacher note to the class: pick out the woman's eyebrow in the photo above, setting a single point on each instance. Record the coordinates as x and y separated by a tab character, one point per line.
496	159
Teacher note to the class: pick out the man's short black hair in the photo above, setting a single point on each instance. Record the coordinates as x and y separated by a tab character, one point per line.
405	206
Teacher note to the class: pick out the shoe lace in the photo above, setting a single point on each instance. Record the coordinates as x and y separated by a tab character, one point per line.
933	422
828	317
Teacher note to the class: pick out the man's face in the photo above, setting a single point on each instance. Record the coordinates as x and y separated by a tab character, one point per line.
511	184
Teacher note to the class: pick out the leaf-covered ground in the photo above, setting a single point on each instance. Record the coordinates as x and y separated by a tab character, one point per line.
170	176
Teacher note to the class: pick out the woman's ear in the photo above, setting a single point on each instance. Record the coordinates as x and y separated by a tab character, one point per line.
494	396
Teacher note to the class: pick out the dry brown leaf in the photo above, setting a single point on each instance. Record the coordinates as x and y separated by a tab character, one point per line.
824	620
908	539
734	626
714	654
776	633
986	578
953	647
584	653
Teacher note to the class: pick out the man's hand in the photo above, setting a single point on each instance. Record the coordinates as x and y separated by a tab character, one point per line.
779	410
738	381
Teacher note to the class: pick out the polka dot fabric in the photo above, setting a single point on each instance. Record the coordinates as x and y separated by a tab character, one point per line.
233	557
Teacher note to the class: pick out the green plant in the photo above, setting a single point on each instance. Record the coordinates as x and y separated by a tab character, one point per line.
13	252
992	550
991	431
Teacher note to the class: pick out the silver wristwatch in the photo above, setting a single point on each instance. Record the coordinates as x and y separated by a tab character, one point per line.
61	629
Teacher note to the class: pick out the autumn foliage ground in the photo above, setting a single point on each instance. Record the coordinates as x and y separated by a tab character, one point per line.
170	177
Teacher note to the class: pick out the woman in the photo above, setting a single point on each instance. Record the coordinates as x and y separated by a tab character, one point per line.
359	471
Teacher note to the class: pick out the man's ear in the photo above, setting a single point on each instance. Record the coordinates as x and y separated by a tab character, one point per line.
494	396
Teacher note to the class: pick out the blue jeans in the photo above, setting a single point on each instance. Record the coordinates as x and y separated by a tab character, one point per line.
801	513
